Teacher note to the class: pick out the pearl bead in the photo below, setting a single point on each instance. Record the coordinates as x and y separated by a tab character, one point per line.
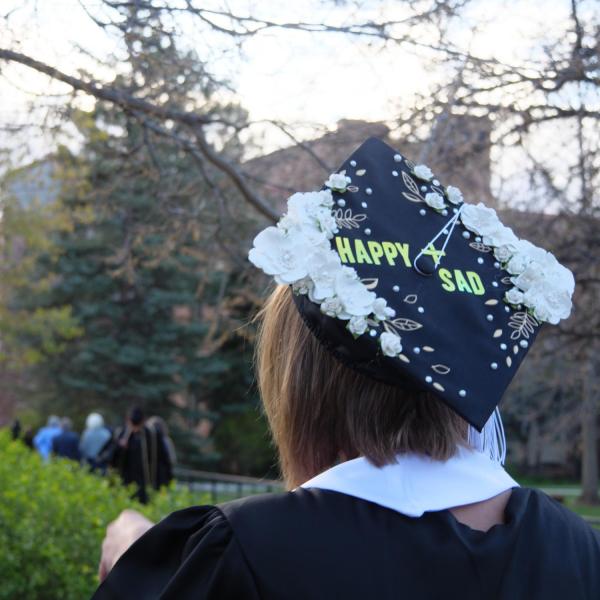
507	309
422	212
363	204
423	188
421	309
490	317
395	173
480	260
445	213
372	333
523	343
436	182
396	288
497	265
429	379
352	163
477	239
397	157
495	283
466	235
341	202
367	231
369	191
503	346
462	393
494	366
417	350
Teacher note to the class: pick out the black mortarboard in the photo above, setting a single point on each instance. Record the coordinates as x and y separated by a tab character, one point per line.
405	283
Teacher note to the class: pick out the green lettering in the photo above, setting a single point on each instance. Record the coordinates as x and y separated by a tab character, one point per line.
376	251
343	248
476	283
362	256
390	252
461	282
403	249
446	278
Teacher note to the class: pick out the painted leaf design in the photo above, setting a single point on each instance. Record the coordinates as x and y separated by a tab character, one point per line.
346	220
523	325
352	188
438	386
491	302
409	164
370	282
410	183
361	172
411	197
410	299
497	333
441	369
480	247
506	280
508	361
405	324
427	349
404	358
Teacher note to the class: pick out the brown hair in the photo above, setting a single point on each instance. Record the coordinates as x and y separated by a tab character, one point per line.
321	411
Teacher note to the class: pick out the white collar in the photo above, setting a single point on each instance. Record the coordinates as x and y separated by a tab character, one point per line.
418	484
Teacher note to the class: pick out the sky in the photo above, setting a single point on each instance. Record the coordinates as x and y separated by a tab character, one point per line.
305	79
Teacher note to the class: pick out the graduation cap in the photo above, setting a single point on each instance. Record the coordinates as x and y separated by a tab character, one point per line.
406	283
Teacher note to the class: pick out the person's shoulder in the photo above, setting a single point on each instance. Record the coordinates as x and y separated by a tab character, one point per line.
555	519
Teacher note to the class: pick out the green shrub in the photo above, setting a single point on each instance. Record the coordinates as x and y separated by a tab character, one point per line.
53	518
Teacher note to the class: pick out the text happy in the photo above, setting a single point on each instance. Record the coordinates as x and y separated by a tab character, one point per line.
375	253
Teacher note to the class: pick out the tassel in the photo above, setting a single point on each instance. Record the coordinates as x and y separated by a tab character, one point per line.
491	440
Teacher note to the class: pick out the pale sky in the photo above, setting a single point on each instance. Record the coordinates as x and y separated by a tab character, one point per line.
298	78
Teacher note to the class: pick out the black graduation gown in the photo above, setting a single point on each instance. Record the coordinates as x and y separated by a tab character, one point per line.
318	544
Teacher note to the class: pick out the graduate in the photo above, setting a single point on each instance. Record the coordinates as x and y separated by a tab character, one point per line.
400	316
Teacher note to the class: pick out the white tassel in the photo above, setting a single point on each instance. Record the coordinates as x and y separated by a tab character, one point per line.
491	440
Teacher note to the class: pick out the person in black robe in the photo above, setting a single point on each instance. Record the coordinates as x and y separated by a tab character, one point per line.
140	455
66	443
382	405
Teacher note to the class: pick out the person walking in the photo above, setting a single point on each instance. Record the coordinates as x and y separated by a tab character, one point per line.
94	439
42	440
141	455
66	443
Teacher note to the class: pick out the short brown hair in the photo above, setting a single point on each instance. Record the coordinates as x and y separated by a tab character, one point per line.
321	411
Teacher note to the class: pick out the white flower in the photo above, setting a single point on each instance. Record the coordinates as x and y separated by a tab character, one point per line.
480	219
327	222
324	268
381	310
338	182
307	209
357	325
548	304
514	296
280	254
423	172
503	253
435	200
390	343
454	195
303	286
532	275
332	307
356	298
502	237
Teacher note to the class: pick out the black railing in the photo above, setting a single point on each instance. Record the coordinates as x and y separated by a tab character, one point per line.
223	487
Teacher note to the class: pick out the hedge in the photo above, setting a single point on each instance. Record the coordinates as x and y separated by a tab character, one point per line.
53	518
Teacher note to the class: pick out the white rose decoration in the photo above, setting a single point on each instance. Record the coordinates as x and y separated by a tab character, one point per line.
454	195
514	296
303	286
357	300
282	255
332	307
423	172
480	219
381	310
391	344
435	200
338	182
323	271
502	237
357	325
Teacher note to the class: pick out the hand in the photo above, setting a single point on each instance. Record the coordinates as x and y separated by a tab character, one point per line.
120	534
